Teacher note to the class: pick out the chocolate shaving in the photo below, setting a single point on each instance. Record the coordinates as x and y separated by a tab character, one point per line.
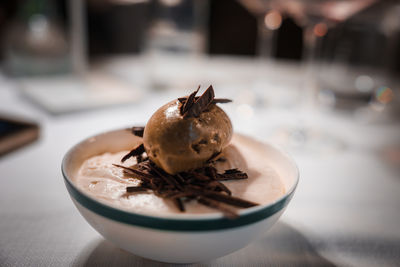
228	212
230	200
215	101
134	189
221	100
137	130
189	102
211	172
179	178
202	185
232	174
137	174
134	152
218	186
139	158
214	156
193	106
200	104
179	204
167	178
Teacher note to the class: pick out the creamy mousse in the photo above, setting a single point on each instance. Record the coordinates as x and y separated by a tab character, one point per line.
99	178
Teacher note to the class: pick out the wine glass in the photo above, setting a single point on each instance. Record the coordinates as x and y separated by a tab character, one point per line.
268	22
175	40
316	17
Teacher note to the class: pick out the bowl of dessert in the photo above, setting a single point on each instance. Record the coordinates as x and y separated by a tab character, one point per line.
182	189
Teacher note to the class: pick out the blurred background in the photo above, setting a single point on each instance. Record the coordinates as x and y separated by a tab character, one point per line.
305	57
357	50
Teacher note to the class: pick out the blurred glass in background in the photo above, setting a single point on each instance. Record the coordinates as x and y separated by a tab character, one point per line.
176	35
123	48
359	62
35	42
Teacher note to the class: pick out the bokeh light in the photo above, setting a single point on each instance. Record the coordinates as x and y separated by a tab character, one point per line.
384	95
320	29
273	20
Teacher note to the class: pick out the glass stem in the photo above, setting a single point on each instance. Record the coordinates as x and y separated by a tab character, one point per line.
265	40
310	89
265	47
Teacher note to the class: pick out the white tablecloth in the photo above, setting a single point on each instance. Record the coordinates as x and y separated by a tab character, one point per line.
345	211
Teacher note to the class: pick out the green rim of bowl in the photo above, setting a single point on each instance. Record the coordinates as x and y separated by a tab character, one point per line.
180	224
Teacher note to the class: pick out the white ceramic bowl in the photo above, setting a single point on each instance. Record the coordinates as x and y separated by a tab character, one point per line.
181	238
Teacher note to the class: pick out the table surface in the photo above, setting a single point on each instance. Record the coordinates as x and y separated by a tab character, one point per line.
345	211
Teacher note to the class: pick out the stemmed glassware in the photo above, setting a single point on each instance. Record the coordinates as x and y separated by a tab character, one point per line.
268	22
316	17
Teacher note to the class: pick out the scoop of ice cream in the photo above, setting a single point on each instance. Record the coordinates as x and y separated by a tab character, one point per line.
177	144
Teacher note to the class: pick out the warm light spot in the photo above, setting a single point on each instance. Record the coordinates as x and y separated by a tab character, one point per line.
171	3
273	20
320	29
384	95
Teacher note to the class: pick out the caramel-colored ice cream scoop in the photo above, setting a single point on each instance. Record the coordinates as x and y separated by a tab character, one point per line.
178	144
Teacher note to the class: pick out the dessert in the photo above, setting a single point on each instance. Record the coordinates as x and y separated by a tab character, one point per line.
186	159
176	143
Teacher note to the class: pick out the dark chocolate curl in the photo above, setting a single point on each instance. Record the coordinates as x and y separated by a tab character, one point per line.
201	104
134	152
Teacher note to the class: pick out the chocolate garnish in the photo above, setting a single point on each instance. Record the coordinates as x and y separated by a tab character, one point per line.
139	158
215	100
189	102
179	204
166	177
200	104
134	189
228	212
232	174
214	156
221	100
134	152
218	186
179	178
230	200
202	185
137	130
211	172
193	106
138	174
